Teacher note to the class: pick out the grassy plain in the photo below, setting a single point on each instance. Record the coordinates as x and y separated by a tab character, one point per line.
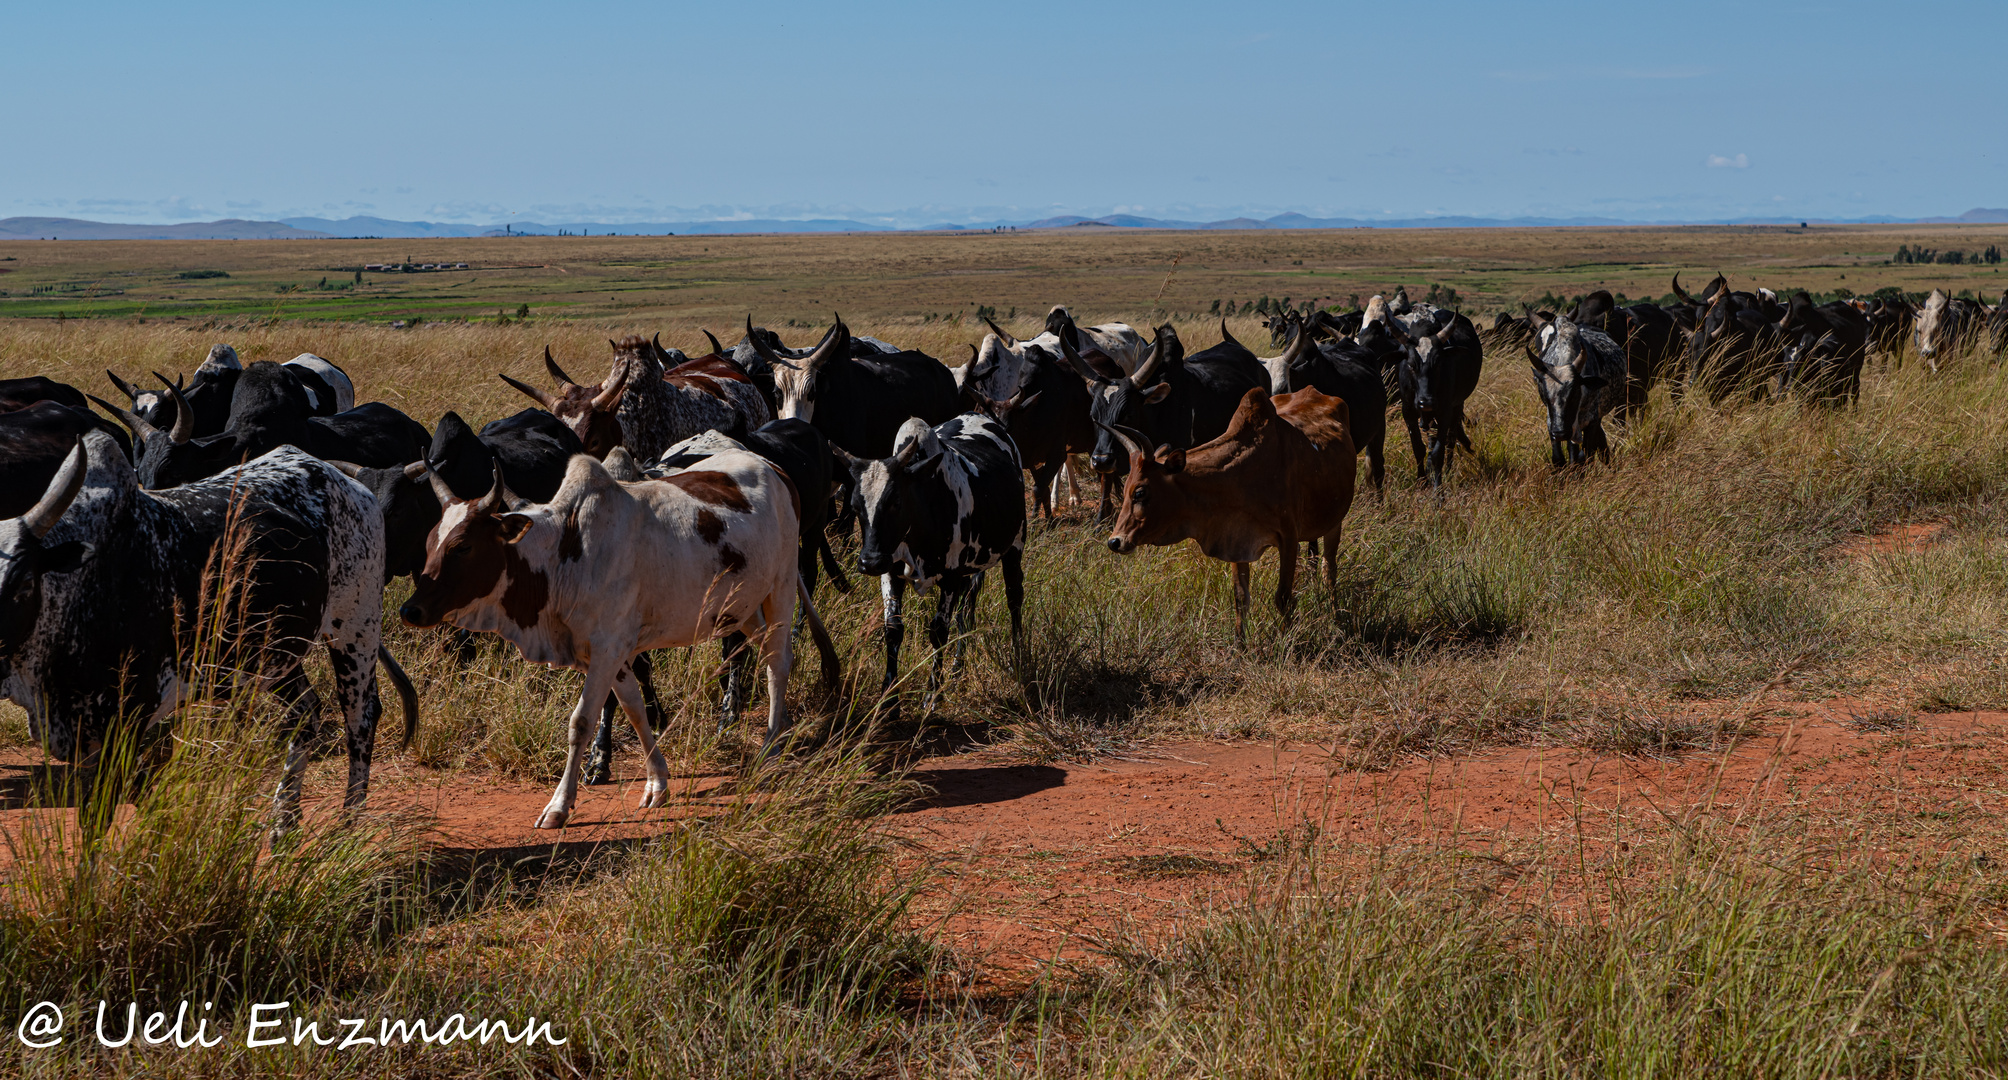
894	277
1664	605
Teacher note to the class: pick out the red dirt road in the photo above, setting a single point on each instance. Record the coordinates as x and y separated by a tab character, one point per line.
1038	861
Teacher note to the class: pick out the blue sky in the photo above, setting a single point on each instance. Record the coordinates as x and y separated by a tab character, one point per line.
916	113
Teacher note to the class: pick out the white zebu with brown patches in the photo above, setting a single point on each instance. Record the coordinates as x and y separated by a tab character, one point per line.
606	570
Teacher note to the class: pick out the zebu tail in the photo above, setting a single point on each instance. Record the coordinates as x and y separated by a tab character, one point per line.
825	648
831	566
407	695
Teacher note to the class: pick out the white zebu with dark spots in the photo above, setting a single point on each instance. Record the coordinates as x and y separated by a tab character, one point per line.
101	584
945	508
606	570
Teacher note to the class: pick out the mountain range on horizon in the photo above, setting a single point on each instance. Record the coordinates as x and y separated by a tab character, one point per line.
314	228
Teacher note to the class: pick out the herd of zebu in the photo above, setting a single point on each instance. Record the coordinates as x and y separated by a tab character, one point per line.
684	498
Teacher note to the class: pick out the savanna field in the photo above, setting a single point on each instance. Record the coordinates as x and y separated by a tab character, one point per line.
1688	763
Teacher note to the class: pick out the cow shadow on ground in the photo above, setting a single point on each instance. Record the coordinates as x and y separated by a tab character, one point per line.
41	784
977	787
466	878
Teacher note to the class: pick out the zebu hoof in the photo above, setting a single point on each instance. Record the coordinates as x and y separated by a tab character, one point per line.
653	796
599	770
553	819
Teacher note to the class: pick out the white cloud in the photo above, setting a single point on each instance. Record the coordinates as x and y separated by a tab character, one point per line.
1740	161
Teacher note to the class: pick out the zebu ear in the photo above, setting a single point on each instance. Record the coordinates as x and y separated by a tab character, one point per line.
1158	393
63	558
924	465
514	527
1172	458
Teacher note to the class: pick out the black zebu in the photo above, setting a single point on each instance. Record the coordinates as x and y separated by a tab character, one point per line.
33	444
1048	416
1438	372
1341	369
1825	348
1581	375
1171	399
102	583
268	410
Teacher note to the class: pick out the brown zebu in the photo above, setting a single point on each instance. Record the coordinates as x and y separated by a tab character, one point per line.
1281	473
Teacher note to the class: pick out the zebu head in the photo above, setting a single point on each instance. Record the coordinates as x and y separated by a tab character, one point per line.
1934	324
165	459
797	383
1127	401
1152	505
884	497
1294	354
590	411
471	558
25	558
1565	374
998	366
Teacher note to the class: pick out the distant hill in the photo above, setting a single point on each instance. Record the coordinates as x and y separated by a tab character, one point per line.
39	228
376	226
1975	216
307	228
384	227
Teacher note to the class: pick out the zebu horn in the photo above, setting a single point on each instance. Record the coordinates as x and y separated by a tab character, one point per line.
610	392
184	413
1295	350
1129	444
62	490
761	350
557	372
141	430
440	489
1225	336
1141	377
716	348
1009	341
534	394
1073	356
826	348
124	387
497	499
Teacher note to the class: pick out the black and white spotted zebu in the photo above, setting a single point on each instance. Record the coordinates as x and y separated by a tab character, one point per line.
941	511
102	583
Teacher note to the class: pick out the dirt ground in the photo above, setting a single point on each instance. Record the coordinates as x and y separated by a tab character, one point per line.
1036	862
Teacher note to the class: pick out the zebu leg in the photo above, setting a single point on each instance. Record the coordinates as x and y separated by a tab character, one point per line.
893	588
600	767
732	653
1240	604
356	691
626	687
777	652
1014	591
599	681
1286	579
303	725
